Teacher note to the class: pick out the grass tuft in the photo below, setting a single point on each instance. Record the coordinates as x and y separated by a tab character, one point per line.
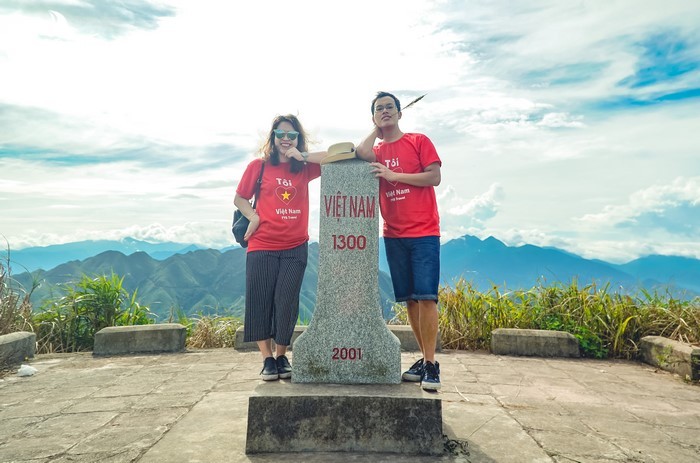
213	331
15	308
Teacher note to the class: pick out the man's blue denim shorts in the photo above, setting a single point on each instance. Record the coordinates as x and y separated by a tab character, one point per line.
414	264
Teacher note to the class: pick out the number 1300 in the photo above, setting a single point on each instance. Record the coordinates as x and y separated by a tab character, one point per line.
342	242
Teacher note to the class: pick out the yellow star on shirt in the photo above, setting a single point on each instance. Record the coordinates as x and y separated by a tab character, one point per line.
285	196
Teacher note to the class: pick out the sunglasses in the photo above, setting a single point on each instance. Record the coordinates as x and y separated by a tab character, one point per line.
292	135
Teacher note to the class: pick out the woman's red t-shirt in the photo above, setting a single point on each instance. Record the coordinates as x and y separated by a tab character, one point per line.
283	205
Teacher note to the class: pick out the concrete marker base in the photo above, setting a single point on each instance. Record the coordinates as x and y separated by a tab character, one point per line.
342	418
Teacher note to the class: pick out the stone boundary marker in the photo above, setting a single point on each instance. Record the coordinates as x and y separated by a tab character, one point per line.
403	332
16	347
347	340
538	343
670	355
116	340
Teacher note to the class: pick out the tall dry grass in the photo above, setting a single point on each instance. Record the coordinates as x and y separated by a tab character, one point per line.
212	331
15	307
606	323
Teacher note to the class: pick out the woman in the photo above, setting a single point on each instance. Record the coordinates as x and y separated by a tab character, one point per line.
277	239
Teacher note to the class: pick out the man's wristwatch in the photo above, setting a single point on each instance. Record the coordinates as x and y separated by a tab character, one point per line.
305	156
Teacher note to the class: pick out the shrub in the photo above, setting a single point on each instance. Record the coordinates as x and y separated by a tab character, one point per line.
69	323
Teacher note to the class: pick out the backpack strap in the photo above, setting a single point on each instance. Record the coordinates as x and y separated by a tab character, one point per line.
257	185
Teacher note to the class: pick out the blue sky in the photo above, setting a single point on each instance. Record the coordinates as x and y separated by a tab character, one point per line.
567	124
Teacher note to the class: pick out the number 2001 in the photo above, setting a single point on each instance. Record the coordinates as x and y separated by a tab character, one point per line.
347	353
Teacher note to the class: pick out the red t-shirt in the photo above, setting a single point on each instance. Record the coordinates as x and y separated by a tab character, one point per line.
408	211
283	205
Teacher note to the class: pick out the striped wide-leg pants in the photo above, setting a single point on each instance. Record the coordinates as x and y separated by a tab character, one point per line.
273	283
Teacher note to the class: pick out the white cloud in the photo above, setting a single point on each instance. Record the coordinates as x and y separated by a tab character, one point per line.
560	120
458	217
481	208
656	199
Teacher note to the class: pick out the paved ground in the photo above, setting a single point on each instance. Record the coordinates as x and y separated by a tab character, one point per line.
192	407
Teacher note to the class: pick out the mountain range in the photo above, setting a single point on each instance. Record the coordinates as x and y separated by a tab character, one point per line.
208	281
48	257
201	281
490	262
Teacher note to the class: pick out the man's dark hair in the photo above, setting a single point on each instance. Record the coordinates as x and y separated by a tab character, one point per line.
382	95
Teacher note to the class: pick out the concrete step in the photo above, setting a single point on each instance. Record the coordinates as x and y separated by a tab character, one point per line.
669	355
117	340
15	348
538	343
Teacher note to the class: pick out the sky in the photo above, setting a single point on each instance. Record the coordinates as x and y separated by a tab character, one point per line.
569	124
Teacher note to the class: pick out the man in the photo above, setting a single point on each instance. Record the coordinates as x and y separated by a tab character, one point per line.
409	168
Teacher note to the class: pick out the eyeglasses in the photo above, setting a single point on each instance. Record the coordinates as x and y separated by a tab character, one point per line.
292	135
381	108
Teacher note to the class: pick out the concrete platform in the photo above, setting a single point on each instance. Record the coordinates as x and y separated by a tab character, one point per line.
403	332
193	407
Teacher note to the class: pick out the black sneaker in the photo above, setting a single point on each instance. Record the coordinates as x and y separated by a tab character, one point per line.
283	367
269	371
415	373
431	377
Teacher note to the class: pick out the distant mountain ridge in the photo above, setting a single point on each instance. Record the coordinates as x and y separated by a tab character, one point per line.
212	281
48	257
490	262
675	270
